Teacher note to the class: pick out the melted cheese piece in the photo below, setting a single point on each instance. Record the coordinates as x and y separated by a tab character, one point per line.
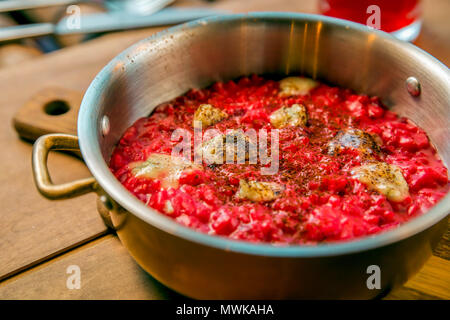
208	115
235	144
355	139
259	191
292	86
162	167
385	178
294	116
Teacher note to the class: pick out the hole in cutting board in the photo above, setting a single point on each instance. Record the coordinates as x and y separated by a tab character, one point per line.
56	107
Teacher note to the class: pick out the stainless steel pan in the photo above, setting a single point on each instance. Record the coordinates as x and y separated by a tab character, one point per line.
196	54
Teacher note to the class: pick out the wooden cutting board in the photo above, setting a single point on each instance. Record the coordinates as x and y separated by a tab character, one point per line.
40	238
27	218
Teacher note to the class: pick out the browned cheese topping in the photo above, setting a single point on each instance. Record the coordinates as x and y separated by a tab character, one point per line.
259	191
355	139
163	167
385	178
234	146
292	86
294	116
208	115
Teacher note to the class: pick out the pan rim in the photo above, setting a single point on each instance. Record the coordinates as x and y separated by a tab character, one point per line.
90	149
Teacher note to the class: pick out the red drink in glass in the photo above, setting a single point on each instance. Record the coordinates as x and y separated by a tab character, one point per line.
401	17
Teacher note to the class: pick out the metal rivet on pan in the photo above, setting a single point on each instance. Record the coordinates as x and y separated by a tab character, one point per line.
413	86
106	202
105	125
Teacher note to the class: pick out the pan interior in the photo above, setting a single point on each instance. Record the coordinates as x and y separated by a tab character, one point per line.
197	54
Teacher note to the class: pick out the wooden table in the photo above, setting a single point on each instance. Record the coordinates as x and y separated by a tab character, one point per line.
39	239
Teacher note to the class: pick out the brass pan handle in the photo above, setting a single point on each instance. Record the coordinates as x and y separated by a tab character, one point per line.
44	184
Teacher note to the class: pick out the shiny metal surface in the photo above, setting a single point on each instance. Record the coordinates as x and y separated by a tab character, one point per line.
26	31
195	55
124	20
103	22
42	179
142	7
14	5
413	86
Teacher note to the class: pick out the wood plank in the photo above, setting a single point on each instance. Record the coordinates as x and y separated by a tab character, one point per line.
405	293
33	228
50	110
107	271
433	279
443	248
432	282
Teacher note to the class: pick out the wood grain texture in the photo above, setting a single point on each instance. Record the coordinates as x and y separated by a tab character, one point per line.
45	113
443	248
107	272
35	229
432	282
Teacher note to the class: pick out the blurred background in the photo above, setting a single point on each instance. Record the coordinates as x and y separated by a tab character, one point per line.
56	20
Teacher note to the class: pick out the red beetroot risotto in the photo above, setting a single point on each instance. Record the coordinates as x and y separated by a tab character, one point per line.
347	166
